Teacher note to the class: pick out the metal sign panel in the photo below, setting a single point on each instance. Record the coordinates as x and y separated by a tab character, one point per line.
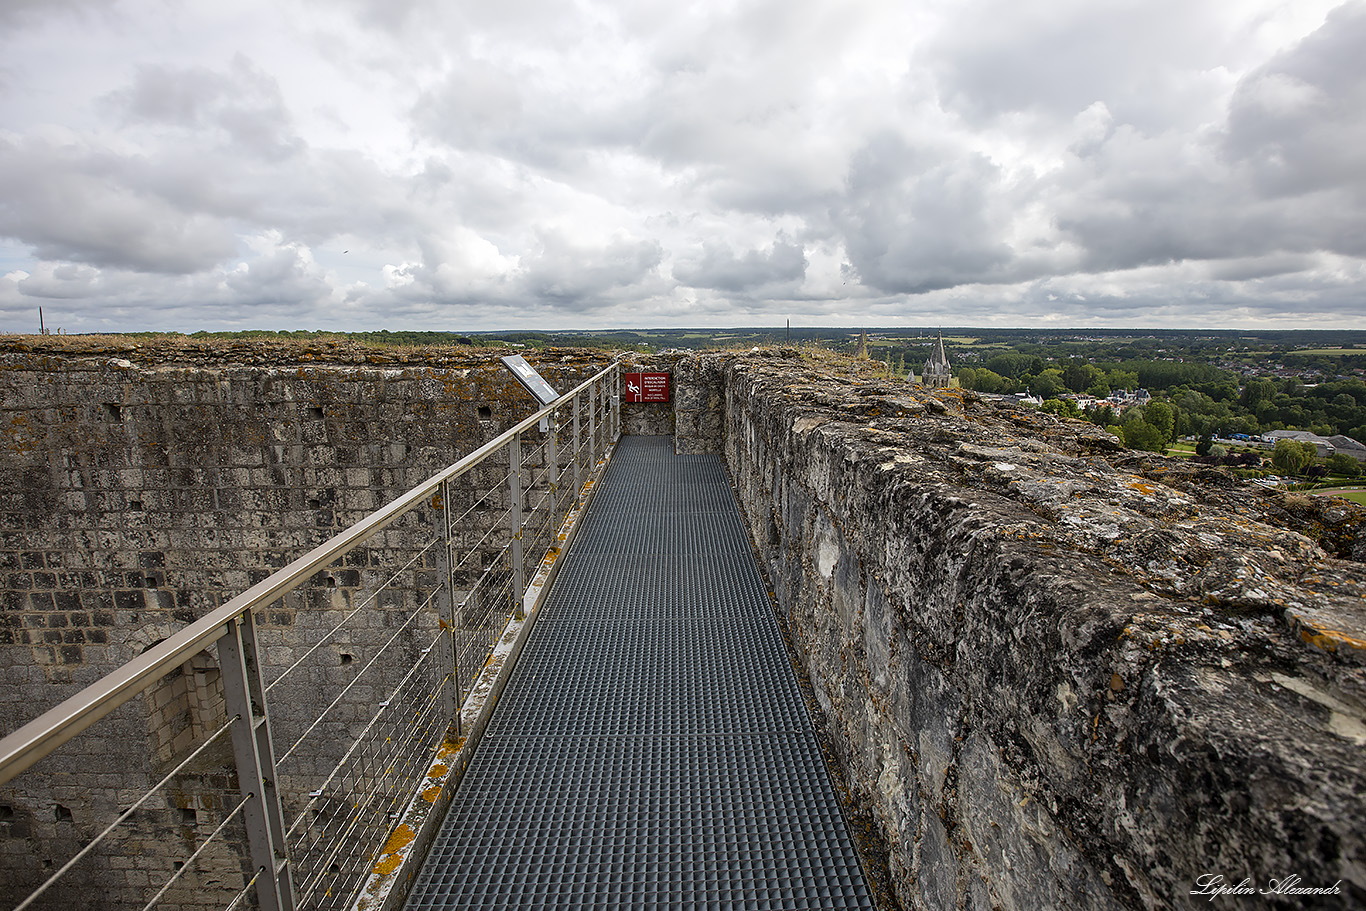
654	387
646	387
532	381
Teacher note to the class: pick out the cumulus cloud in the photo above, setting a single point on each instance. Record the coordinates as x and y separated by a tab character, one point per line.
244	103
1141	59
1283	174
720	268
280	273
561	270
536	163
15	13
1296	122
919	220
72	202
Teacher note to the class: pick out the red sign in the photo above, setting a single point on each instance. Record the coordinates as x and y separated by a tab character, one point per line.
654	387
646	387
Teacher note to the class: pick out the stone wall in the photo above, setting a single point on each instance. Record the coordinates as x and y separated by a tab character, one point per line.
699	404
141	487
1060	675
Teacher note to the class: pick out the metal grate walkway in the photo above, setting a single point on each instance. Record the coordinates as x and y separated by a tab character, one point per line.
651	749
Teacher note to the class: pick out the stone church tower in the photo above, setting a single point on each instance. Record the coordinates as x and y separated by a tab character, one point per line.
936	372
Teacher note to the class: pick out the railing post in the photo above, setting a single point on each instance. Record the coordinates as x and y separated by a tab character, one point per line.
515	523
445	599
244	694
615	432
552	464
593	424
578	456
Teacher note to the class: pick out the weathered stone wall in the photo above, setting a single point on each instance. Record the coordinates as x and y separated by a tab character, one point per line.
1059	674
699	404
143	486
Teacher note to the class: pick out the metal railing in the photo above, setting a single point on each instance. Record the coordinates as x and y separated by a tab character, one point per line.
306	822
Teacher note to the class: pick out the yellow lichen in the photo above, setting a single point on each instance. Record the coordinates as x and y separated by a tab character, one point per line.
391	855
403	836
1329	640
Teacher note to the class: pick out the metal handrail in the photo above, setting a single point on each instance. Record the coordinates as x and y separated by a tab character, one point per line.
43	735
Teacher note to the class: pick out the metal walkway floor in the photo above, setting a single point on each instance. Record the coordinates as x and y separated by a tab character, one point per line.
651	749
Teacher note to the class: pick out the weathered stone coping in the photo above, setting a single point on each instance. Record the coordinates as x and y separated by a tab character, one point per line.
1061	674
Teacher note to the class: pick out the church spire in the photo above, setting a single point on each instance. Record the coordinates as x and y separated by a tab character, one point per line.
937	371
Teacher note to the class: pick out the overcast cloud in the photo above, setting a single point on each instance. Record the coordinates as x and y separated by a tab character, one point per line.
356	164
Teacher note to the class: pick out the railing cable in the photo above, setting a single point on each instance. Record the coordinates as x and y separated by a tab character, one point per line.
246	890
314	795
421	609
370	599
33	896
197	851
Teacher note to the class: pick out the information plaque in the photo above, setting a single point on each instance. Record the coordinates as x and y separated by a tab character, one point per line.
532	381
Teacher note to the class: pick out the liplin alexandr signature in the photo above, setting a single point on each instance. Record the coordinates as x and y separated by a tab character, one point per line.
1215	885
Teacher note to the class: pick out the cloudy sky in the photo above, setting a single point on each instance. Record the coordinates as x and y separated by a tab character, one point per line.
447	164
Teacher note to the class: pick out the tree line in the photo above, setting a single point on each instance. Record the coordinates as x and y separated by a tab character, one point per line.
1193	394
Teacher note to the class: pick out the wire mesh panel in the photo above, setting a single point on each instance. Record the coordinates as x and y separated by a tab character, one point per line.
652	748
333	835
362	648
348	791
115	853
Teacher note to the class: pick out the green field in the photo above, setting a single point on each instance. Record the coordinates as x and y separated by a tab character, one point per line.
967	341
1330	352
1355	494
